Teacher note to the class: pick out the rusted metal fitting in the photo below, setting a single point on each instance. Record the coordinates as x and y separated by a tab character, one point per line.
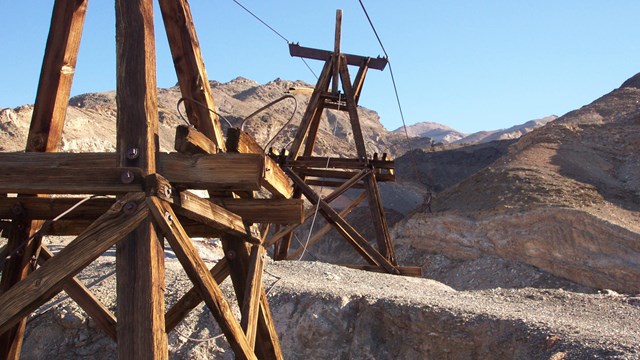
167	192
127	177
231	254
37	142
133	153
129	208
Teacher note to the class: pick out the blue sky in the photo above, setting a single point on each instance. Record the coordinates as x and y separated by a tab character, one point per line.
472	65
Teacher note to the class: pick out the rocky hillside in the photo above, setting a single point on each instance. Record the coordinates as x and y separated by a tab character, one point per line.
438	132
565	199
90	122
513	132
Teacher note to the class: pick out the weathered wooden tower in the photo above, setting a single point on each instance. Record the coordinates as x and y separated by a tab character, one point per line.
136	197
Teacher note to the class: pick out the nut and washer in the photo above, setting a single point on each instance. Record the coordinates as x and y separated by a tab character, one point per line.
127	177
129	208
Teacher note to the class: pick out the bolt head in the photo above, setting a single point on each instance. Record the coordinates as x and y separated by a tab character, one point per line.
129	208
127	177
133	153
231	254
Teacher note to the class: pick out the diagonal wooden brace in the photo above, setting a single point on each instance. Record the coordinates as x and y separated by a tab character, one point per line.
197	271
48	280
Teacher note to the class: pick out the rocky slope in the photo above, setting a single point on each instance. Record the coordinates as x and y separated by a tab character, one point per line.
90	122
438	132
564	199
513	132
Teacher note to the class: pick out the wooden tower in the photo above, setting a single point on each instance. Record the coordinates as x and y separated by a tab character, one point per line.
342	174
139	197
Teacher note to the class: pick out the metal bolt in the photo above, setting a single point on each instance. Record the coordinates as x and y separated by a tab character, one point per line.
17	209
168	217
129	208
37	142
127	177
167	191
133	153
231	254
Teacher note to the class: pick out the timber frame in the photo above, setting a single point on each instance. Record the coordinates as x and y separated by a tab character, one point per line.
342	174
139	198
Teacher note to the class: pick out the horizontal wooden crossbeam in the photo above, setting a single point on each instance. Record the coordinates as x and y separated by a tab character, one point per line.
98	173
378	63
337	163
414	271
273	211
339	174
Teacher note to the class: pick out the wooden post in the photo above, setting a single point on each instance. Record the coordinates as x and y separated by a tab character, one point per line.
139	257
336	52
45	132
190	70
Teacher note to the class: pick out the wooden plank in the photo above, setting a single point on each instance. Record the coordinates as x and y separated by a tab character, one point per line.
321	86
46	281
202	210
385	245
267	211
267	344
275	180
377	63
339	174
191	141
273	211
195	268
414	271
332	183
189	65
337	163
347	231
21	246
232	172
76	227
336	51
140	256
251	306
105	320
354	118
58	68
358	83
28	179
192	298
48	208
318	234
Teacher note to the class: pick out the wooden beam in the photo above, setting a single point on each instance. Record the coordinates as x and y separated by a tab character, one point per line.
385	245
105	320
267	344
46	281
189	65
339	174
192	298
250	308
358	83
140	256
275	179
354	118
191	141
267	211
58	68
76	227
195	268
337	163
90	180
377	63
201	210
336	52
321	86
232	172
347	231
325	229
273	211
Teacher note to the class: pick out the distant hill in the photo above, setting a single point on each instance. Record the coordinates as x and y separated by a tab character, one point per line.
440	133
436	131
513	132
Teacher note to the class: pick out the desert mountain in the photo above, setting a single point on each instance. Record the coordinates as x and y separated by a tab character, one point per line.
90	122
564	198
437	132
513	132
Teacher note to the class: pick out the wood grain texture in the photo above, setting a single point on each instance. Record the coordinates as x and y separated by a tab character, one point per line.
200	276
378	63
191	141
385	245
352	109
414	271
104	319
139	257
189	65
250	308
46	281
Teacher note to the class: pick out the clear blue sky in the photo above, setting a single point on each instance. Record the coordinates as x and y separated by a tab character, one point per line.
473	65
